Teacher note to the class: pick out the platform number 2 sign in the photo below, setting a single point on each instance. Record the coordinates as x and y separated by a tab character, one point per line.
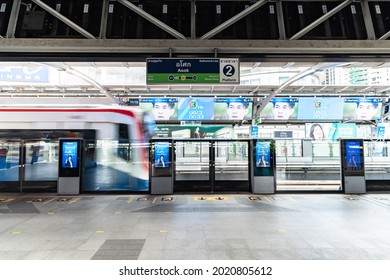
229	70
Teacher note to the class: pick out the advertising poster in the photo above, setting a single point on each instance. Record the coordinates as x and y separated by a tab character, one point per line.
161	154
331	131
362	108
263	154
185	132
280	109
233	108
381	132
254	131
344	130
320	108
353	154
162	109
69	154
196	109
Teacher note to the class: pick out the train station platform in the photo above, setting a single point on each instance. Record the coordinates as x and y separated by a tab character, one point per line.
201	227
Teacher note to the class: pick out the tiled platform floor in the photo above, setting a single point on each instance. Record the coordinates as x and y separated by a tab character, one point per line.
304	226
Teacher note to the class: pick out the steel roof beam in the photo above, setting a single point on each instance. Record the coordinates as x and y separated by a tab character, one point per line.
317	22
234	19
13	19
65	20
152	19
103	22
385	36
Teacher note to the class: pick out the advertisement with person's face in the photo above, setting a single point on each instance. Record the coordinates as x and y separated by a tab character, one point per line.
69	154
233	108
263	154
362	108
353	150
331	131
280	109
161	154
162	109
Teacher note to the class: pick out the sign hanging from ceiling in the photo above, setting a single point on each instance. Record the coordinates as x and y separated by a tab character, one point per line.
192	71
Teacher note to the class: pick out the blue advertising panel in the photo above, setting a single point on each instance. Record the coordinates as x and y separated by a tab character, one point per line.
280	109
263	154
162	109
320	108
353	153
381	132
69	154
362	108
233	108
254	131
24	74
161	155
196	109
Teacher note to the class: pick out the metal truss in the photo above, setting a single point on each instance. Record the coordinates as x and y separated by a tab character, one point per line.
197	46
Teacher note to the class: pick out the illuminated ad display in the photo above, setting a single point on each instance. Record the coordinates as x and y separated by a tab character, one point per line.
362	108
263	154
353	153
161	154
280	109
69	154
162	109
321	108
196	109
233	108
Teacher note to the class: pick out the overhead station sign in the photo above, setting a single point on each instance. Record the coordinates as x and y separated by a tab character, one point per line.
192	71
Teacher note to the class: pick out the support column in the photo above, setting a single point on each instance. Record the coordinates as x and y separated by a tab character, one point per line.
193	19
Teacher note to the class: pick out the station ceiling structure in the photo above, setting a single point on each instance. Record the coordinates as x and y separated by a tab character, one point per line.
266	33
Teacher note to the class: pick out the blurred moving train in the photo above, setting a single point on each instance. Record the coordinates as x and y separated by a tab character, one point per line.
115	149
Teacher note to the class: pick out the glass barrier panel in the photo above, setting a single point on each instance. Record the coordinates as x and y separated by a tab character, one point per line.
41	161
192	161
112	166
377	160
288	148
319	170
231	161
9	161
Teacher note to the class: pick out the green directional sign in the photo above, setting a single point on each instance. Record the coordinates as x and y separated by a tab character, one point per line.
192	71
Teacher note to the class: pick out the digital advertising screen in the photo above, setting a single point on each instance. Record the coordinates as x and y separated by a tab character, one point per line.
320	108
233	108
353	153
69	154
191	109
280	109
161	155
362	108
162	109
263	154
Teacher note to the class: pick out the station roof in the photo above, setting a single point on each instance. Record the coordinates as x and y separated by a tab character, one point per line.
128	79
